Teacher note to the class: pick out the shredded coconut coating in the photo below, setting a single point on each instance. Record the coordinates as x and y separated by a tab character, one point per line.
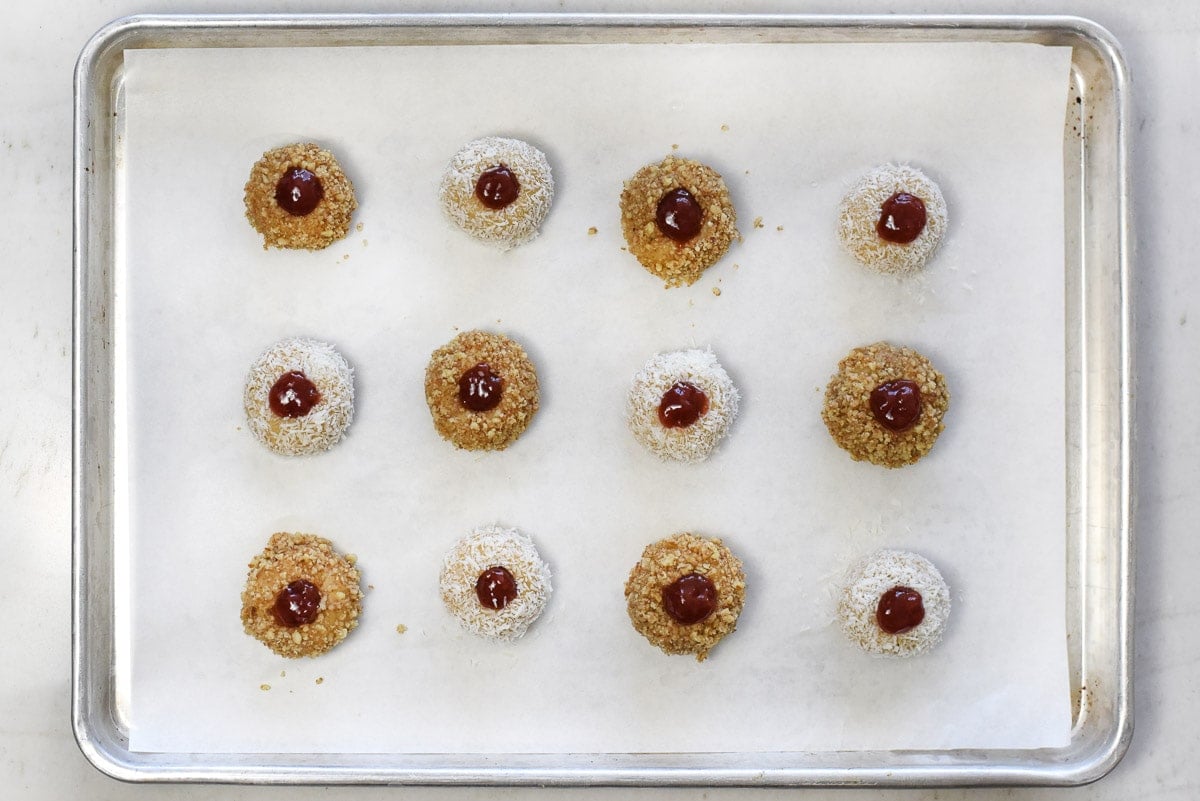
859	214
292	557
675	262
324	225
693	443
484	548
668	560
847	412
519	221
327	421
495	429
876	574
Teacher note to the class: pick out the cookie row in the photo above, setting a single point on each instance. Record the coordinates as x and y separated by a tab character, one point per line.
677	216
684	595
884	405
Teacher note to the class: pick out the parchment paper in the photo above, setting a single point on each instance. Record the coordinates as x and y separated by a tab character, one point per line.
790	127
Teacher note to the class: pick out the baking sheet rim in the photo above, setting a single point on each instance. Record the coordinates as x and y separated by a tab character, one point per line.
1097	745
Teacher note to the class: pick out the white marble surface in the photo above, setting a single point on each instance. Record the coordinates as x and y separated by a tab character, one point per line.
38	45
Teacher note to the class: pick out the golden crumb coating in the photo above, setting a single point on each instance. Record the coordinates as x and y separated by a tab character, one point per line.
494	429
295	557
674	262
847	412
668	560
320	228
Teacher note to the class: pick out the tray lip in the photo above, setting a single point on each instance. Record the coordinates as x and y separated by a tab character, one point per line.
1055	766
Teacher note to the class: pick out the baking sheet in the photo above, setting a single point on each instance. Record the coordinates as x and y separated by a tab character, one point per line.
202	300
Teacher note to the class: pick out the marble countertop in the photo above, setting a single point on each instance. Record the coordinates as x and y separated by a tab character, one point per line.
38	46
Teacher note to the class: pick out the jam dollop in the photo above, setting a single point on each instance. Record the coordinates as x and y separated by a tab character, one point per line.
690	599
496	588
480	389
293	395
896	404
679	215
297	604
497	187
901	218
900	609
682	405
298	192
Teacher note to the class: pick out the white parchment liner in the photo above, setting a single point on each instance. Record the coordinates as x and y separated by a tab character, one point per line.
790	127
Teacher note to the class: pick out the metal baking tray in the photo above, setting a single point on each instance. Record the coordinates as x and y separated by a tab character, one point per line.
1098	374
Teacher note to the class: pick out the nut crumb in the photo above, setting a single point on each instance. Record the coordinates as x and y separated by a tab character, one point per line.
496	428
264	687
677	264
674	147
593	231
852	423
779	228
329	222
724	127
359	228
401	628
717	291
664	562
286	558
758	223
320	680
283	674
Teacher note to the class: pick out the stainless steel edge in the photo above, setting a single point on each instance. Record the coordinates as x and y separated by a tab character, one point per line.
1100	738
1107	673
97	737
1122	733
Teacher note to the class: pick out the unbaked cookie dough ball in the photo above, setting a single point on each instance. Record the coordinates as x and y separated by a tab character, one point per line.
678	219
885	405
302	597
498	190
298	197
681	405
894	603
893	219
495	583
299	397
482	391
685	594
